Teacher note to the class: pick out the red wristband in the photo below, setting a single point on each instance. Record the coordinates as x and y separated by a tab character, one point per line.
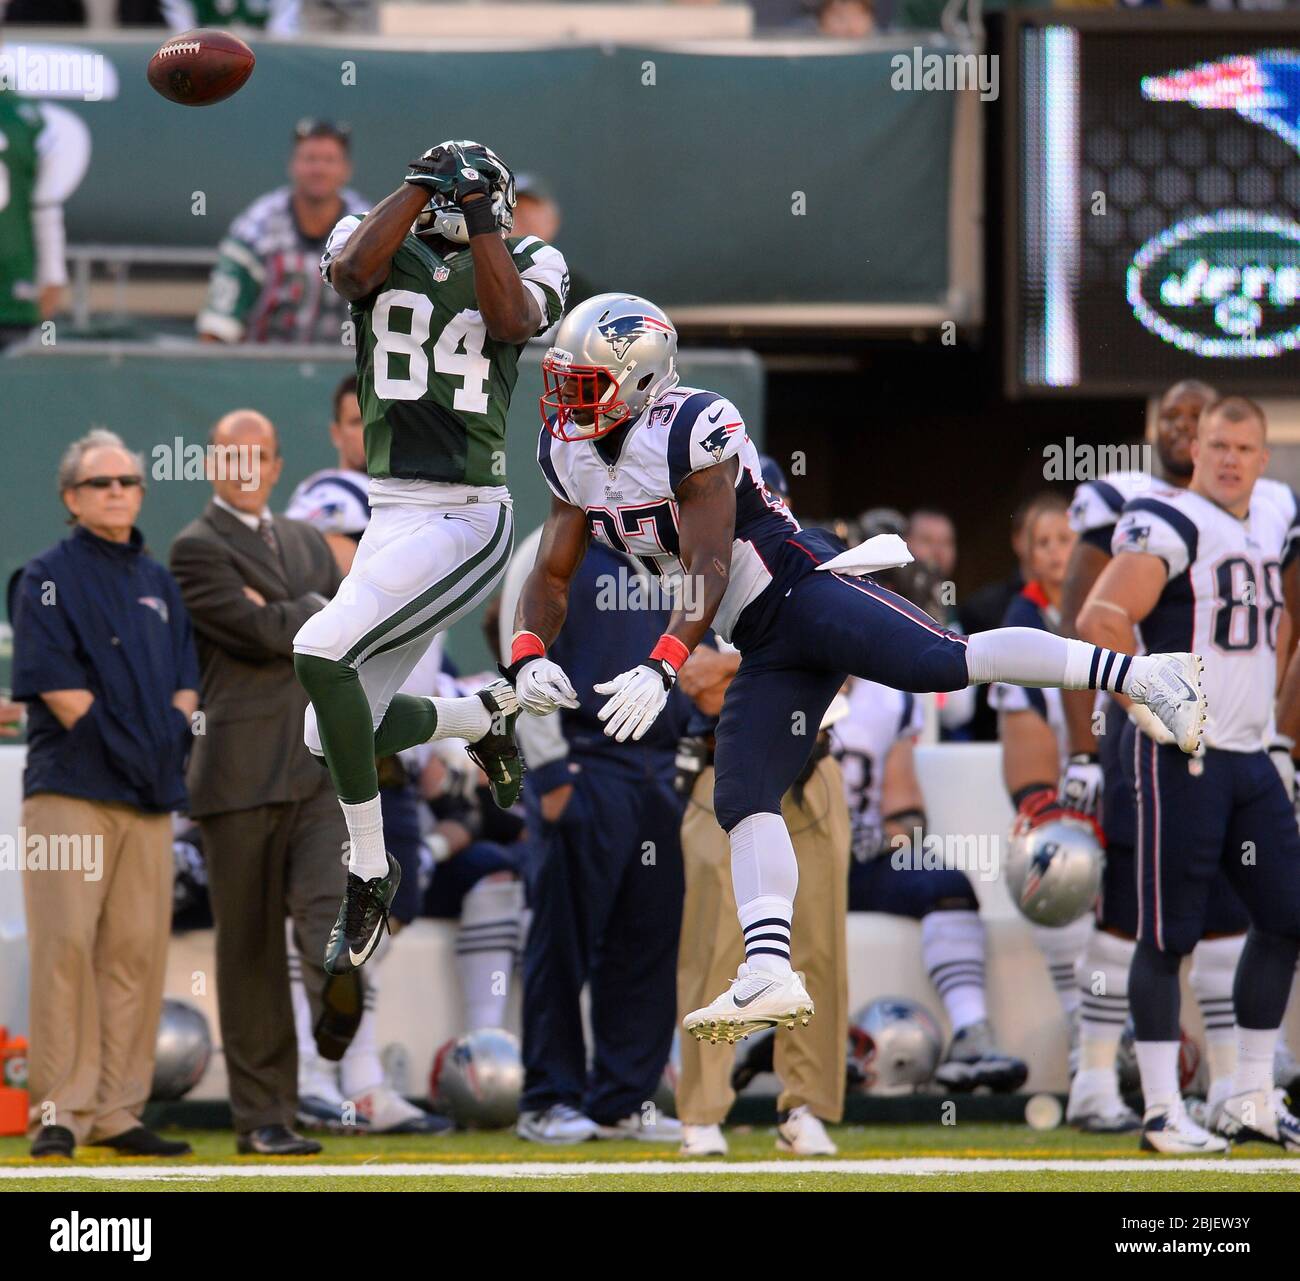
672	651
526	645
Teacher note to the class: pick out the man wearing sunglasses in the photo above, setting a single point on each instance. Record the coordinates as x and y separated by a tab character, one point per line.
266	287
105	661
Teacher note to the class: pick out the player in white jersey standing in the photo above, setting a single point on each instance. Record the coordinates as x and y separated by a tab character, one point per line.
668	475
873	744
1205	566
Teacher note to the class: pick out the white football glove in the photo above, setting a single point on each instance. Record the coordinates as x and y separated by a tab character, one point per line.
542	688
1081	784
638	698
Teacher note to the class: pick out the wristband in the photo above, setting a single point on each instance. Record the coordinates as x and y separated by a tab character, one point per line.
1084	758
671	651
526	645
1034	797
479	218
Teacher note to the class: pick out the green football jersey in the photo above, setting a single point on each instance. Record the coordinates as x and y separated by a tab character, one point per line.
20	126
433	385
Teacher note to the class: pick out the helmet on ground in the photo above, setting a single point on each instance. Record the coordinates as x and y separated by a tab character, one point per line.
613	355
894	1045
184	1048
478	1078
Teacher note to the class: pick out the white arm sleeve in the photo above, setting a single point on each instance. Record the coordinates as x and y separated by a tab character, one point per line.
62	155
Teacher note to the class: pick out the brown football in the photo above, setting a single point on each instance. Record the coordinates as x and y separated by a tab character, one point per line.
198	68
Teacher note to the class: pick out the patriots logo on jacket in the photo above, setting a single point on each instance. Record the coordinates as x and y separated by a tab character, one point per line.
1263	87
155	603
623	331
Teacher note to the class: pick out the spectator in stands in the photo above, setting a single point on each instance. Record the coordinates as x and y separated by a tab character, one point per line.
932	537
267	286
846	19
275	17
46	151
273	834
104	657
538	213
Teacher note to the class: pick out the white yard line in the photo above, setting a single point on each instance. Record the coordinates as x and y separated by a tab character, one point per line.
919	1167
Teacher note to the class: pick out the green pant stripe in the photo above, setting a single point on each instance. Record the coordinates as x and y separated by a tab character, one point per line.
484	583
430	596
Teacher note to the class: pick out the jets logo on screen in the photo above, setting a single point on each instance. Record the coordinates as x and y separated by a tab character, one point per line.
623	331
1227	284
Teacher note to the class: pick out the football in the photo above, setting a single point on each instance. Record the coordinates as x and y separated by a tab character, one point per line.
198	68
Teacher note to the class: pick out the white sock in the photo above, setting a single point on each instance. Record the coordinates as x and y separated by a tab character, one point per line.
367	857
952	951
1028	656
301	1006
765	876
1103	991
465	718
1158	1064
361	1069
489	940
1214	967
1254	1060
1061	948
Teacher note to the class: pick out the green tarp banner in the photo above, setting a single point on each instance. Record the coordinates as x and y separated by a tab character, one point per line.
679	173
165	406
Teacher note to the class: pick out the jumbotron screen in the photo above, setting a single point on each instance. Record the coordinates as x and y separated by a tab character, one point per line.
1156	208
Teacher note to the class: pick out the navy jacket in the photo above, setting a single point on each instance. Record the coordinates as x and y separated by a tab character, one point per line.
103	616
597	642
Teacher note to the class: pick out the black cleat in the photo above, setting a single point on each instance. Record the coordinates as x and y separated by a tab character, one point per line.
974	1061
496	753
362	920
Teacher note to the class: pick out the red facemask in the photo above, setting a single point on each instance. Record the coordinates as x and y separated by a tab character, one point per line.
570	389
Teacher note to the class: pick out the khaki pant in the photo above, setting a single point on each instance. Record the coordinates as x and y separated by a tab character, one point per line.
98	952
809	1060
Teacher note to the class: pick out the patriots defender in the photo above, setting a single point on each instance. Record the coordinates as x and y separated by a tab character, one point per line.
668	474
443	302
873	744
1206	566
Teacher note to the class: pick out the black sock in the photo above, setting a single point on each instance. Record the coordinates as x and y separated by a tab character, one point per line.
1153	995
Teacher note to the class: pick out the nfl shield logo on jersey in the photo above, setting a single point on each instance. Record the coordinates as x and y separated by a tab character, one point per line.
440	274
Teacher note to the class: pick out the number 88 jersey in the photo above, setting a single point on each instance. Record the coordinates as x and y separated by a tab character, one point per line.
433	386
1222	600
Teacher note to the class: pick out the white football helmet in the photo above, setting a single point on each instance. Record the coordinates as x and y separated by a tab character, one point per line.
1053	871
613	355
895	1045
442	218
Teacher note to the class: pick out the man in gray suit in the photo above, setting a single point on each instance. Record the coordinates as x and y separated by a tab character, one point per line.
273	835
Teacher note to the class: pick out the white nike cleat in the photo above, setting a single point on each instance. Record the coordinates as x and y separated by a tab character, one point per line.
803	1133
703	1140
559	1124
380	1110
1170	686
658	1128
320	1101
1259	1114
755	1000
1171	1130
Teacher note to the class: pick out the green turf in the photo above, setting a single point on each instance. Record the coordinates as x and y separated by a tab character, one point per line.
960	1140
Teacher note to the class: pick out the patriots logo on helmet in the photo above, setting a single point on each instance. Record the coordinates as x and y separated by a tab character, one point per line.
623	331
1038	868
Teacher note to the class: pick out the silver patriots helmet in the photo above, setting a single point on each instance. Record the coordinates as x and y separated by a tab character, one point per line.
613	355
442	218
478	1078
894	1045
184	1048
1053	871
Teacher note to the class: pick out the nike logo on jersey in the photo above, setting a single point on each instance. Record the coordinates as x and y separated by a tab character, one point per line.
713	418
749	1000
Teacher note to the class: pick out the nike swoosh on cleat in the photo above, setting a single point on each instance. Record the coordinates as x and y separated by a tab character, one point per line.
365	951
749	1000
